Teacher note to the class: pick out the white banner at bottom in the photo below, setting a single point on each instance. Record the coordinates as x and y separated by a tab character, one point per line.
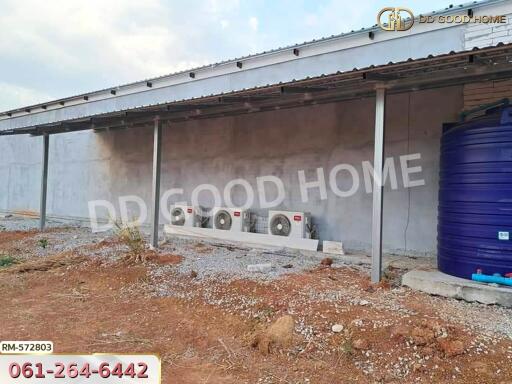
72	369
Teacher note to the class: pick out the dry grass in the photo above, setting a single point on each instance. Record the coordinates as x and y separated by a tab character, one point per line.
131	236
46	264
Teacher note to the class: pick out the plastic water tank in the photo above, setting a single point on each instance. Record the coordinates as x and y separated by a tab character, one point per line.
475	195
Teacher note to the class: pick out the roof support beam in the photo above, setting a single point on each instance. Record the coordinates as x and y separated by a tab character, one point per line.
242	98
155	203
379	76
378	184
189	107
44	182
472	73
287	90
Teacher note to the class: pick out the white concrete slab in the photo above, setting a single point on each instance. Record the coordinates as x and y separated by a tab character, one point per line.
245	237
333	247
438	283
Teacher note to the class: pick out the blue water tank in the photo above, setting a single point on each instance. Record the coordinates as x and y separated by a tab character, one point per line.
475	196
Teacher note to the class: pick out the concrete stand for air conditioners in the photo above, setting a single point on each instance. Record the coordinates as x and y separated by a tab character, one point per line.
441	284
246	237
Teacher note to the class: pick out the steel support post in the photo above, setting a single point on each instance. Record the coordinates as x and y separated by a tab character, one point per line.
155	196
44	182
378	184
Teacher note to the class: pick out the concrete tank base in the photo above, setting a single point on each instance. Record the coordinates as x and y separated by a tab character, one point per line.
438	283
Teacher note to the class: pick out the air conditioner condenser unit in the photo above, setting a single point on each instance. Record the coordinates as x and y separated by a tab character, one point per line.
290	224
230	219
184	216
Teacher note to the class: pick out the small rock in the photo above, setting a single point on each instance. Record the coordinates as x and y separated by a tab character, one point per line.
337	328
422	336
357	322
364	302
193	274
261	268
439	330
361	344
326	261
451	347
279	334
288	266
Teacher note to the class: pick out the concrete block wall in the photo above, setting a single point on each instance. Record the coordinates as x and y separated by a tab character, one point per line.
88	166
477	94
484	35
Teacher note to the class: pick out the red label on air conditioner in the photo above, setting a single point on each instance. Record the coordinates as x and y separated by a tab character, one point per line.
189	210
297	218
237	213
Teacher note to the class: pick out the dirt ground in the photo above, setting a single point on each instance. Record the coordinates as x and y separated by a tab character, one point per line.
216	330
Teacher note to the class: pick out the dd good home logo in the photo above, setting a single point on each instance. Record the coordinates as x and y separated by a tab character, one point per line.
395	19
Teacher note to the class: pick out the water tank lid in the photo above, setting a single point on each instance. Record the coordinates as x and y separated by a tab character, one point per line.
494	116
489	109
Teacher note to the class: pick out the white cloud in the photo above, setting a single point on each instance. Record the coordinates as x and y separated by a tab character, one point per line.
13	96
253	23
61	48
73	36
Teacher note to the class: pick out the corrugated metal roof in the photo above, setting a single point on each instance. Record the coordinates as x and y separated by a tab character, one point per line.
374	28
441	70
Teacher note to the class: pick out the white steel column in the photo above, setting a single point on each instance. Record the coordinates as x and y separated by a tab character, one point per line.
155	204
378	184
44	182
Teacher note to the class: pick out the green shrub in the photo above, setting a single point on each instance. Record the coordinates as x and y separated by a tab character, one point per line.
7	261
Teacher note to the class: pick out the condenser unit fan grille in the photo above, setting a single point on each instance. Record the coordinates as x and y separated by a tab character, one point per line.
223	220
178	216
280	225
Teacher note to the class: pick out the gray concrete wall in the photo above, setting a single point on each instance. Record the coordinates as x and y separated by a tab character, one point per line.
20	164
87	166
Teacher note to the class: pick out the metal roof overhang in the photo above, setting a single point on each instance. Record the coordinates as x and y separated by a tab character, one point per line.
444	70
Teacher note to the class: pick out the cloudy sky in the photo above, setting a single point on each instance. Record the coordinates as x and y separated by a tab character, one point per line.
58	48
